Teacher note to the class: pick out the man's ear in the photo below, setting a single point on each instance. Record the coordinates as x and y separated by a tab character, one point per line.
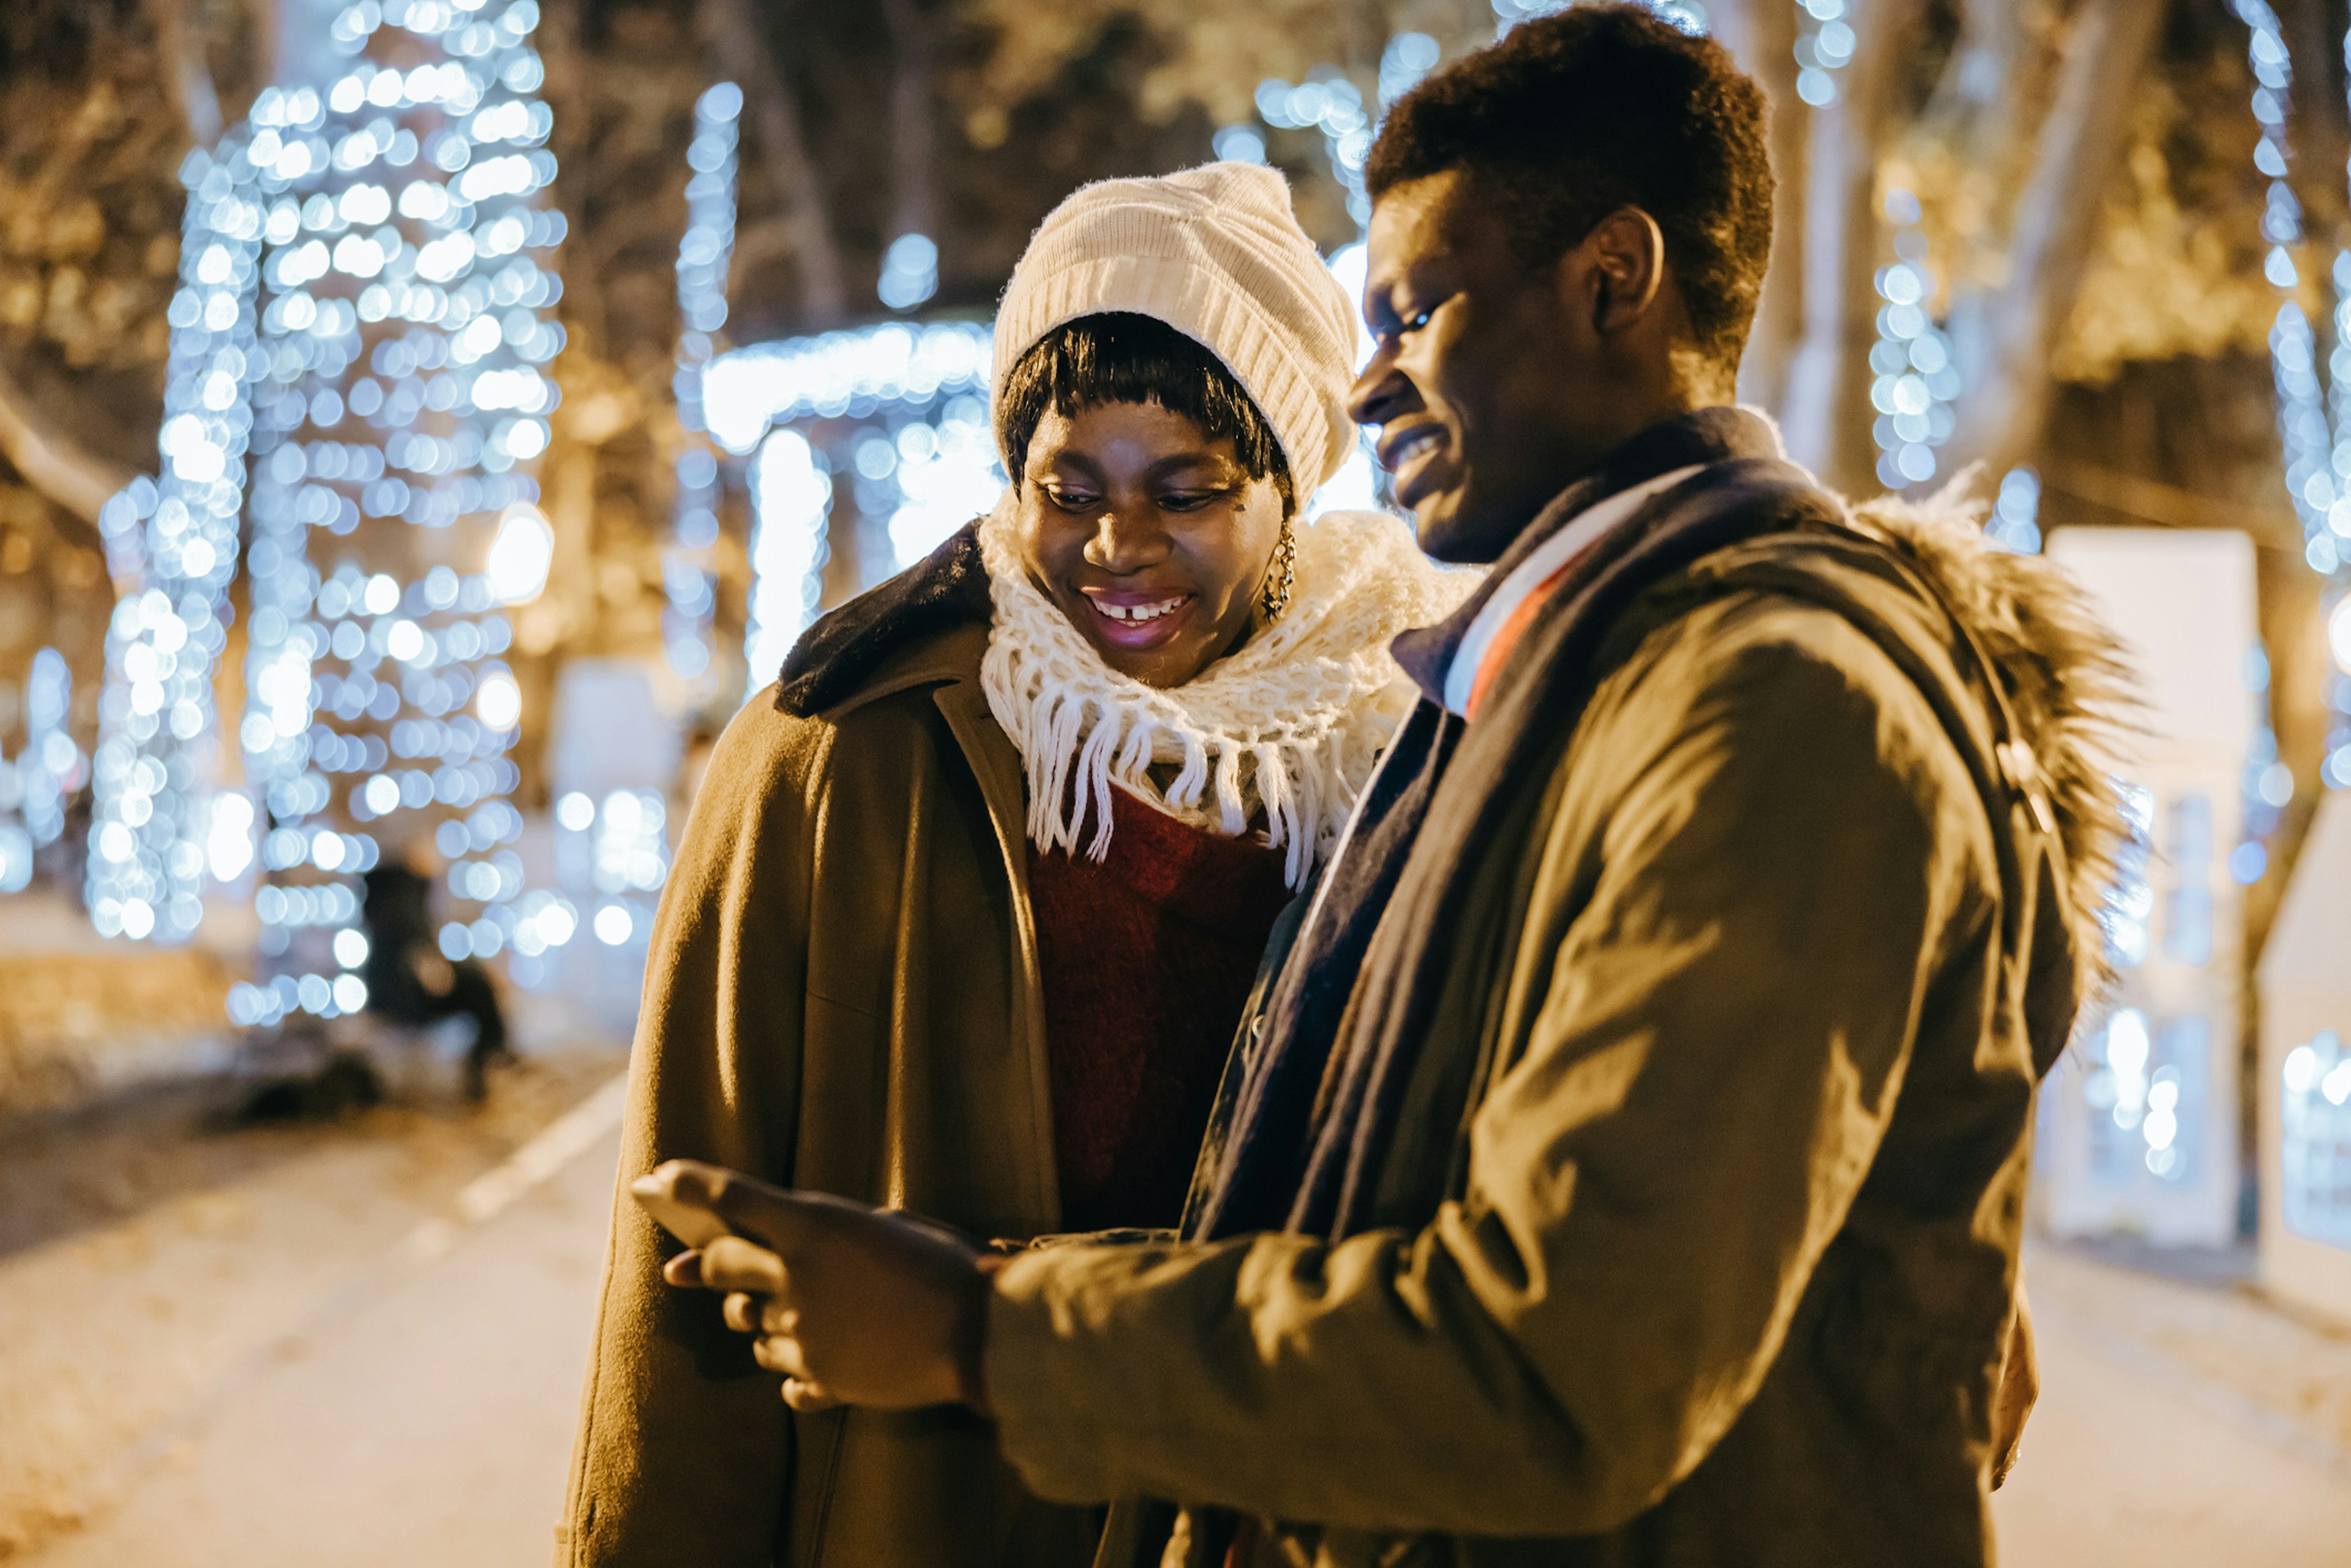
1618	270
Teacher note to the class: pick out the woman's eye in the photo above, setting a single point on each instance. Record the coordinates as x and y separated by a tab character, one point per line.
1186	500
1072	500
1415	323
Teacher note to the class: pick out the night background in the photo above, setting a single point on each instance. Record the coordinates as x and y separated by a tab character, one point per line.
423	423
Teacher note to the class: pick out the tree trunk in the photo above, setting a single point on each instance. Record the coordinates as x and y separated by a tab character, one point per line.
1827	416
55	464
1762	35
2016	327
911	144
185	75
741	53
568	93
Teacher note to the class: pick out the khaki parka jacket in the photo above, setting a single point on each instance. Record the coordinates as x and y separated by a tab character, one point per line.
1715	1269
843	996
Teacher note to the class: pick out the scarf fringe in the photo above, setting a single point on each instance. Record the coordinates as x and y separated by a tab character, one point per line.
1286	729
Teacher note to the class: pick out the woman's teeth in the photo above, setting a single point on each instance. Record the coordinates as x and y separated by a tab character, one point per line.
1139	611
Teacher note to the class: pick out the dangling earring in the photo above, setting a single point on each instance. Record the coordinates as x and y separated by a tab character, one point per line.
1274	597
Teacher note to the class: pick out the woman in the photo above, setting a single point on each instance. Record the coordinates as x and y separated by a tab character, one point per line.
969	904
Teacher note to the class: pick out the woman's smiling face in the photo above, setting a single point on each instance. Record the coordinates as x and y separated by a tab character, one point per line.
1152	539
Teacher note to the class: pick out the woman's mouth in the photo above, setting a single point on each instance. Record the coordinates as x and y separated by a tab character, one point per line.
1132	619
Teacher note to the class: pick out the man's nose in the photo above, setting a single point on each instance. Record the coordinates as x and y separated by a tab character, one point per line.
1382	391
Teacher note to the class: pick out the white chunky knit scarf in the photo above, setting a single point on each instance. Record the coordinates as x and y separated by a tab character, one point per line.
1287	728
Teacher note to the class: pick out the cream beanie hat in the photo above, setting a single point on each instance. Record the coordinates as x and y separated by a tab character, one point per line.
1215	253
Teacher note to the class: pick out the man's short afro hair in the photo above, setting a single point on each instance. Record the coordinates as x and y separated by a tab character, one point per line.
1576	114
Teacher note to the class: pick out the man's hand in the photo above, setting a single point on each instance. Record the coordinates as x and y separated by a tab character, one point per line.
853	1305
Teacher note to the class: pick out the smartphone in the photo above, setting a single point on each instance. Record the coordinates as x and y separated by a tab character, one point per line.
694	1224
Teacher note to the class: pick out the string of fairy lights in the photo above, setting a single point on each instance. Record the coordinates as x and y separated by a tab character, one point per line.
703	254
38	785
1915	379
1824	45
153	773
359	341
2317	450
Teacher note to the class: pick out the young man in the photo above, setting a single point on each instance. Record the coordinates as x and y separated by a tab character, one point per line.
1629	1163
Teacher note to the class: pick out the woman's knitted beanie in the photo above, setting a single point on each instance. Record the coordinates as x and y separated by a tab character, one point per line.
1215	253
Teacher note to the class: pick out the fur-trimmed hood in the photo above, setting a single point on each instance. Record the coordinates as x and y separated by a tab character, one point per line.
2067	682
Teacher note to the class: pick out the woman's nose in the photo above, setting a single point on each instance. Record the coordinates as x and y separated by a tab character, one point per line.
1127	538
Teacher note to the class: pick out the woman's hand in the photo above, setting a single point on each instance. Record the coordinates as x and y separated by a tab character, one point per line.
853	1305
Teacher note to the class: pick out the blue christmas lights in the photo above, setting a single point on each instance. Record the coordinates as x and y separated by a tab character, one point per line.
703	256
1824	45
2317	453
385	229
1914	377
174	542
1329	102
35	788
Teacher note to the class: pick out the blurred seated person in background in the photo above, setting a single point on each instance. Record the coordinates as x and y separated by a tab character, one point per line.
409	981
969	904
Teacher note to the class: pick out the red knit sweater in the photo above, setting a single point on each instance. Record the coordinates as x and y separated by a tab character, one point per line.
1146	959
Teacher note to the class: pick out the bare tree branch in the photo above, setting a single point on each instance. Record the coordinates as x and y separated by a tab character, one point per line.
186	76
912	145
1982	69
567	89
53	463
741	53
2016	327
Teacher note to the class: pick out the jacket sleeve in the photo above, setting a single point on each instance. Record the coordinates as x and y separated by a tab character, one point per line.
1772	834
685	1445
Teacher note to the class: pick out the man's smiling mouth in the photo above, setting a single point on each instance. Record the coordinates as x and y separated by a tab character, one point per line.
1403	447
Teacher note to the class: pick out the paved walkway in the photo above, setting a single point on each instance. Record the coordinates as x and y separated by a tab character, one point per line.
2137	1457
417	1407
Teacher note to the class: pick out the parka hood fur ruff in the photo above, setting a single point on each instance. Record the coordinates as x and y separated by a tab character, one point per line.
2066	679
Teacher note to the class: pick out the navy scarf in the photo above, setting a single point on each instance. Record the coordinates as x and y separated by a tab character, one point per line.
1317	1110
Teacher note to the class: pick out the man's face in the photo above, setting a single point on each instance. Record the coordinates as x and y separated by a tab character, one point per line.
1485	383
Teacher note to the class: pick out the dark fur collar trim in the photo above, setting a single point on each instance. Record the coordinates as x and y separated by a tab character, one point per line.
947	589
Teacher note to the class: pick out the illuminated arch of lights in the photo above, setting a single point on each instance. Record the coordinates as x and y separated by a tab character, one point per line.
896	413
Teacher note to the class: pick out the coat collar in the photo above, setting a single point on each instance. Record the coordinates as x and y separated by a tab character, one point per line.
950	657
1700	438
838	660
